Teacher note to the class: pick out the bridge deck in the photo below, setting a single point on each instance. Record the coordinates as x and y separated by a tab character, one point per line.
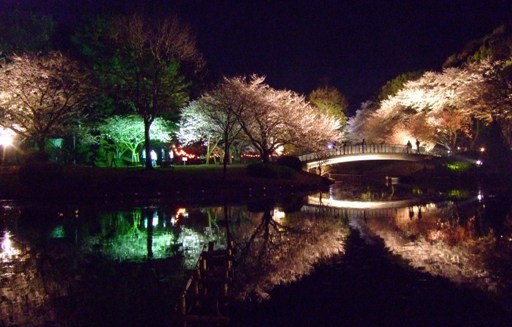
365	153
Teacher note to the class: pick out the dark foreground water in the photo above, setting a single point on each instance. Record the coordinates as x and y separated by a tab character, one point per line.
368	286
351	257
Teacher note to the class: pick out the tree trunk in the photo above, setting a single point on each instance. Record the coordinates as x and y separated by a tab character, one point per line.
265	156
147	144
225	160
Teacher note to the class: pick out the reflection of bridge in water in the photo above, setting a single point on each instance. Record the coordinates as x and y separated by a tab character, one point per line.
355	209
368	152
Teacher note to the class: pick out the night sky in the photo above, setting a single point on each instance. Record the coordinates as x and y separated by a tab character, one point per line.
353	45
356	46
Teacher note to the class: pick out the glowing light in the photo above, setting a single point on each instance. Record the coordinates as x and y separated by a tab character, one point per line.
6	137
183	153
480	195
58	232
7	247
154	222
315	200
278	214
479	162
482	149
180	214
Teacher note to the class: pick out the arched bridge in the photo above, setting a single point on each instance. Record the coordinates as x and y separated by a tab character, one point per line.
365	152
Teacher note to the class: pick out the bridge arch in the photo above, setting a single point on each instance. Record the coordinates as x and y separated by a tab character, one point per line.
368	152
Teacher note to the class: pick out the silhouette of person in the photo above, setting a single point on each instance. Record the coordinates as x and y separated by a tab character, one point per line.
409	147
417	146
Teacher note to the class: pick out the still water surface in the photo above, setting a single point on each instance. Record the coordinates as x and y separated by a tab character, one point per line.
339	257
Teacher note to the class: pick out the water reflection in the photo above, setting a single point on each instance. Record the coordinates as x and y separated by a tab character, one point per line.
277	248
92	255
467	240
63	264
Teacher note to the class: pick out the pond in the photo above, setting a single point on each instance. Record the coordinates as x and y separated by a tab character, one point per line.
356	255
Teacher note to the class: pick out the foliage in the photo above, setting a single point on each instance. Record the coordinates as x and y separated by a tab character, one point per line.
392	87
290	161
494	46
139	61
22	31
244	110
330	101
459	166
273	118
440	107
43	96
126	133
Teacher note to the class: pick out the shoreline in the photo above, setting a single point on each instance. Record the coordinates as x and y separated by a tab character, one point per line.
177	183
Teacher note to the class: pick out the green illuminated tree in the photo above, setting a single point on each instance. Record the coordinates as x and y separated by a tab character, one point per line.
140	62
42	96
331	102
126	133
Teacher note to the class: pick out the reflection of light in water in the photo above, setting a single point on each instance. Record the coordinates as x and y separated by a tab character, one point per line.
192	243
155	219
8	249
451	251
315	200
58	232
180	214
132	246
278	214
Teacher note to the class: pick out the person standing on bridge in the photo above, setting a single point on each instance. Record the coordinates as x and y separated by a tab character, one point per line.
409	147
417	146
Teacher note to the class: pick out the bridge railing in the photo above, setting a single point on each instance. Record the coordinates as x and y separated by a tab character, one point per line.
360	149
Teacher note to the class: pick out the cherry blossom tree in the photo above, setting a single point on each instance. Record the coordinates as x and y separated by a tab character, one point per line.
42	96
274	118
438	107
248	110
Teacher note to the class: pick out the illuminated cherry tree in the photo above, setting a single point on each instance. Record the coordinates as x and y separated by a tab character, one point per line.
439	107
275	118
41	96
248	110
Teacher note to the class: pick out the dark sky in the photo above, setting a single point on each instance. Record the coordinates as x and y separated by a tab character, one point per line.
356	45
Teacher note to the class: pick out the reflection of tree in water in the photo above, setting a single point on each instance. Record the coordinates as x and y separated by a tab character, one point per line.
279	250
450	241
130	236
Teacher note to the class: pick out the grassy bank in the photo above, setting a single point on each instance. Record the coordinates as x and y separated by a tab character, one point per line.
52	181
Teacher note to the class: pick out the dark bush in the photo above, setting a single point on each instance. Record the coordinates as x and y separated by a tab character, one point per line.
290	161
268	170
